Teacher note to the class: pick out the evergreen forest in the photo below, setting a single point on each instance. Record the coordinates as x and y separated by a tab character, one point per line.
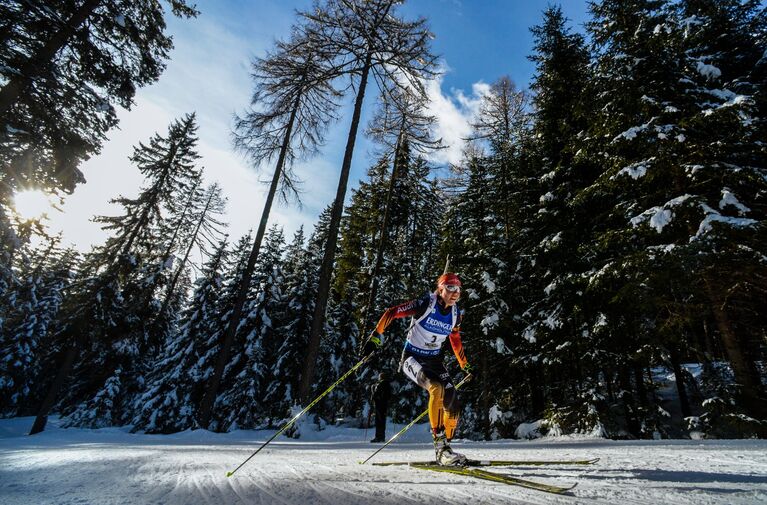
609	226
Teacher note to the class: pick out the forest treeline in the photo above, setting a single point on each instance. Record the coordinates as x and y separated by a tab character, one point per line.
608	226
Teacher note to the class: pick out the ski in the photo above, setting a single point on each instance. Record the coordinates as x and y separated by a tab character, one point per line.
499	462
496	477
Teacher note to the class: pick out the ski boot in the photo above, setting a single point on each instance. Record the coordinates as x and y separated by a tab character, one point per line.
445	455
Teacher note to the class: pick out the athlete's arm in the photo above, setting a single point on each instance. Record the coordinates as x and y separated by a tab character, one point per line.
409	308
455	341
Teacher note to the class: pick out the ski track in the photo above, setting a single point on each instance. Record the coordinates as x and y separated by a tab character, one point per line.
323	491
340	481
111	467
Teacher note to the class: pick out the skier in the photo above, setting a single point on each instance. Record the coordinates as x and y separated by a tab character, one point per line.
435	317
380	399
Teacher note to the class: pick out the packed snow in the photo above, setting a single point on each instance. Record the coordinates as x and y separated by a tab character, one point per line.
708	71
660	217
714	216
635	170
111	466
729	198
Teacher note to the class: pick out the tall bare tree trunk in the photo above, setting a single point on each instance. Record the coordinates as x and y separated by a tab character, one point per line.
751	390
206	406
187	206
485	395
684	401
326	270
180	269
66	366
537	394
38	63
628	399
383	238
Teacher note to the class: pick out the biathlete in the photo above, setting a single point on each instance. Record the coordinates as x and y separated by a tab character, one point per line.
435	318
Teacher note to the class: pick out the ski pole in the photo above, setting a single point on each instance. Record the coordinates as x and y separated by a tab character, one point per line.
403	430
312	404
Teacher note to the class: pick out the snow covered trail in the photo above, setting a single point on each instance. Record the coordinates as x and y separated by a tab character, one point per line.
111	466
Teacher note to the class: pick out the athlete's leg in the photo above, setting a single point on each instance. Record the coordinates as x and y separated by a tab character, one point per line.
416	372
436	410
443	405
452	410
443	400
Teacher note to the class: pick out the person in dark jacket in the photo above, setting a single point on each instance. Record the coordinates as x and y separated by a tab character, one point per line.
380	399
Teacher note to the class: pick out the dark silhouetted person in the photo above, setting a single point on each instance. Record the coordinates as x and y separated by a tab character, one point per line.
380	397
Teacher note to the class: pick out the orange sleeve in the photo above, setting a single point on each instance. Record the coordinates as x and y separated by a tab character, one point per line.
385	321
398	311
456	344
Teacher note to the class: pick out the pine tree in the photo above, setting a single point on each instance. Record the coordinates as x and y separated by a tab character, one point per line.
16	233
401	125
301	266
86	313
105	408
407	268
199	227
242	399
721	244
106	323
491	212
9	242
174	390
561	58
418	248
668	136
549	230
361	229
339	352
168	163
594	322
232	275
475	230
26	339
63	68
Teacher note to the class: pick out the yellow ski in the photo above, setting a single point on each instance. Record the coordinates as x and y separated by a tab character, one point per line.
496	477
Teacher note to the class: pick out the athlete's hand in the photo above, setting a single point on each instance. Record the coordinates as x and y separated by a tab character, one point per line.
372	344
468	369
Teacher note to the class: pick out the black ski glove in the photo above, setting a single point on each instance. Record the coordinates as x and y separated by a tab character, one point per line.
372	344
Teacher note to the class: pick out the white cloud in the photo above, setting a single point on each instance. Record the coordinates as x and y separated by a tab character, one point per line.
455	113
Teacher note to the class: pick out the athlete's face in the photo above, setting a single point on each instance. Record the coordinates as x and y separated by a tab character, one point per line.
449	294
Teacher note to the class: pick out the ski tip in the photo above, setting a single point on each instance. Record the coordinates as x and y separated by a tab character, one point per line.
229	474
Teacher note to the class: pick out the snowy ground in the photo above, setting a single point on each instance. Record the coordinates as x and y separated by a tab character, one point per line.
111	466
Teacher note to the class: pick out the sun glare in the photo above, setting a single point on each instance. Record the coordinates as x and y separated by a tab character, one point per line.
31	204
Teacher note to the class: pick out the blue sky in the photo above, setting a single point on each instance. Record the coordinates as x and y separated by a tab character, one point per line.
478	41
485	39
